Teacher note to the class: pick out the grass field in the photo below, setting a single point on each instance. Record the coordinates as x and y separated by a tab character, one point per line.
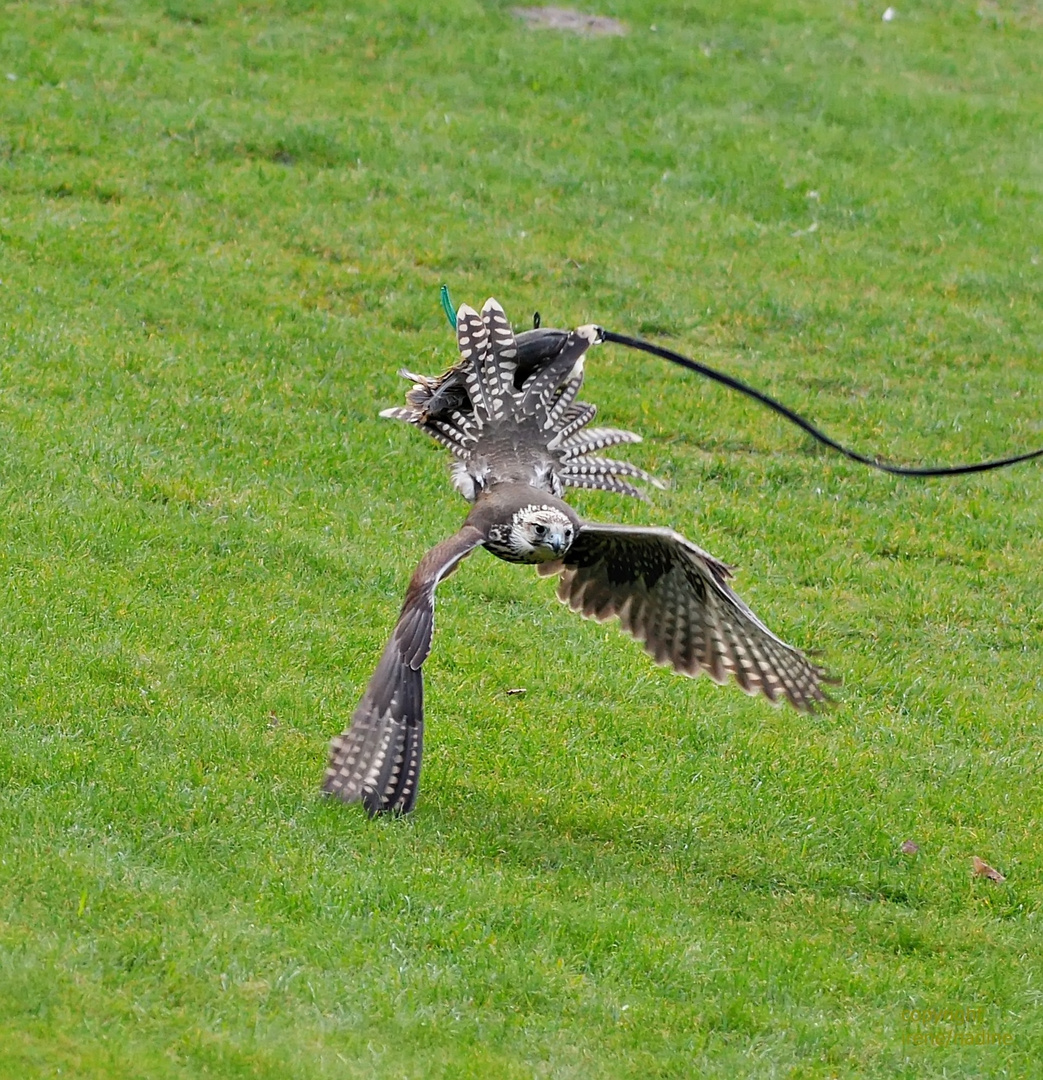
222	230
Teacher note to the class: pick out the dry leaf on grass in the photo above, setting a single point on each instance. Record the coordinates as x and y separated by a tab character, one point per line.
982	869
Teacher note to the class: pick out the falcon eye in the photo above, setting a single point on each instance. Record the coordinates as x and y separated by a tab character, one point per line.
541	530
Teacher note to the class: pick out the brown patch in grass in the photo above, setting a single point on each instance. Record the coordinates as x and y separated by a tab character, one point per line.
555	18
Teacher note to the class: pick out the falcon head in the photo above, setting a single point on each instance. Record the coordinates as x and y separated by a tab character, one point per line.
534	534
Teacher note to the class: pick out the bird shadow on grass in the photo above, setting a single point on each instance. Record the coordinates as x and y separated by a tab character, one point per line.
545	838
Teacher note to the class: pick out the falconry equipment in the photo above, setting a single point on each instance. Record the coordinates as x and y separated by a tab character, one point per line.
509	412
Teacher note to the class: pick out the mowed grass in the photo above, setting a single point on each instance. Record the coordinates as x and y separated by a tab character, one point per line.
222	230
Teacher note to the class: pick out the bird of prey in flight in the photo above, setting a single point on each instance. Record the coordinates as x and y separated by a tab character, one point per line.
508	411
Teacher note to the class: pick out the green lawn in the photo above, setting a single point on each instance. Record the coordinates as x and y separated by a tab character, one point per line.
222	230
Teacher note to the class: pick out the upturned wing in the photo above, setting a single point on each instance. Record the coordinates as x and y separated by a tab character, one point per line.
675	598
377	760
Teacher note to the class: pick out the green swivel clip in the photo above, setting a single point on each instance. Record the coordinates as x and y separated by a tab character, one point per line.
447	306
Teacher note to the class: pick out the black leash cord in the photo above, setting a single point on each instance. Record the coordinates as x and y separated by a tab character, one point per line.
806	425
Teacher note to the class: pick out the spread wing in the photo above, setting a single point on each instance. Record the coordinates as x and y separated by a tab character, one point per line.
675	598
377	760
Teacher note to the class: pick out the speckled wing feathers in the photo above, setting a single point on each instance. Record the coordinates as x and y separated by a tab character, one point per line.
377	760
502	364
541	391
488	351
508	409
675	598
472	339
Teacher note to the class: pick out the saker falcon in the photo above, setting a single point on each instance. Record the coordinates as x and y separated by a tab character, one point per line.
509	413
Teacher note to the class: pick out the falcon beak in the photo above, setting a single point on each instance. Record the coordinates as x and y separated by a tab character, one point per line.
557	543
